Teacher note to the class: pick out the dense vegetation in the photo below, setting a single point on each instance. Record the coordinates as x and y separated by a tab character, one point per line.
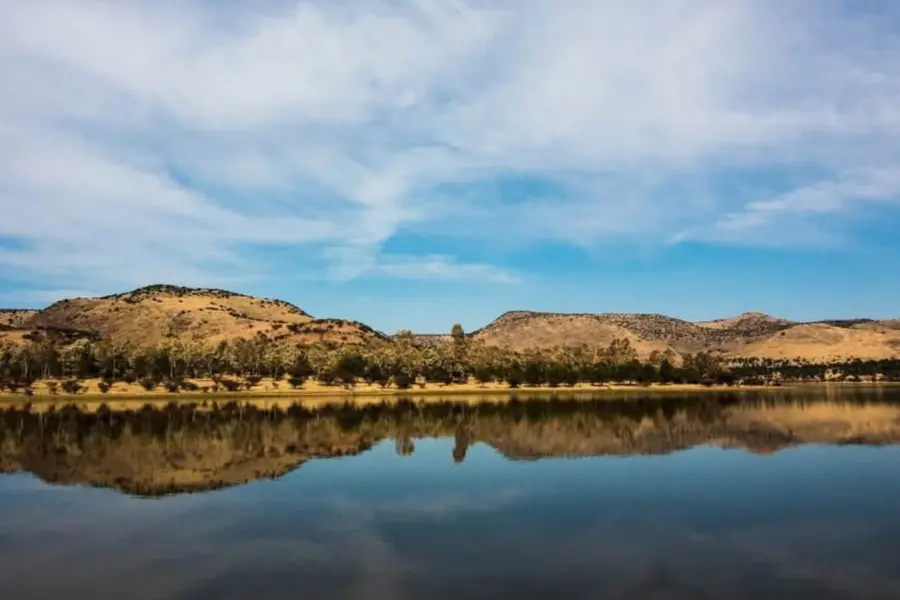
402	362
765	370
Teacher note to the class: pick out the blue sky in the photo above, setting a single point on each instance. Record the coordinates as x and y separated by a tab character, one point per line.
413	164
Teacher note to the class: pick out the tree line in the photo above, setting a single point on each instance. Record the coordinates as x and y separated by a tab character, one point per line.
402	363
764	370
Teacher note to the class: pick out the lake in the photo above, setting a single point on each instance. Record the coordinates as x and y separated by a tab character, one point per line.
780	494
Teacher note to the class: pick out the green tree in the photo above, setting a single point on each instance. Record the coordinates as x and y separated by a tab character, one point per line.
351	367
515	375
458	335
534	373
376	375
667	373
484	374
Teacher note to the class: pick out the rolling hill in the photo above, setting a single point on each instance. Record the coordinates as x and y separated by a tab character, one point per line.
747	335
149	315
12	318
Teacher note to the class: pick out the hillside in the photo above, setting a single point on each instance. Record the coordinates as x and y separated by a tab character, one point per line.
819	342
749	334
150	315
748	324
147	316
11	318
647	332
522	330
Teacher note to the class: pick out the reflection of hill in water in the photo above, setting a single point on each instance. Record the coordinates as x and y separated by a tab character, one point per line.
183	449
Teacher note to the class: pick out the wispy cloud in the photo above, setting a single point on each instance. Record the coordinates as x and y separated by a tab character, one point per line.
791	218
441	268
159	141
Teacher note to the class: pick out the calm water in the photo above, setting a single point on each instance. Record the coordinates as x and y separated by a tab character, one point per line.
773	496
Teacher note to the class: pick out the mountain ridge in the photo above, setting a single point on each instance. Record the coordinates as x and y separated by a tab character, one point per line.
149	315
152	314
750	334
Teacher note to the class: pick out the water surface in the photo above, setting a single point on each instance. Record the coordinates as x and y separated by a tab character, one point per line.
787	495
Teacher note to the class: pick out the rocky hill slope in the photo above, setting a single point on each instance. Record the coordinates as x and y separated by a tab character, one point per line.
749	334
147	316
150	315
11	318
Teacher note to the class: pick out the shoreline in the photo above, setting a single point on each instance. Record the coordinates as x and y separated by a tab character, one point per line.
126	397
313	388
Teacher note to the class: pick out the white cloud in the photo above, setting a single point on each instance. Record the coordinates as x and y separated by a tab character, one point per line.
790	218
158	141
441	268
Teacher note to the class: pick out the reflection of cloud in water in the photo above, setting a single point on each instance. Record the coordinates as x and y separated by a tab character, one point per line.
183	559
350	510
811	523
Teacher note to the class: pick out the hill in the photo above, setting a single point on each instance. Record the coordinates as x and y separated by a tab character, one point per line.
820	342
749	334
149	315
647	332
13	318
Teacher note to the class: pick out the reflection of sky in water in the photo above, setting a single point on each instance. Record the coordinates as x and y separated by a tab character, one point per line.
809	522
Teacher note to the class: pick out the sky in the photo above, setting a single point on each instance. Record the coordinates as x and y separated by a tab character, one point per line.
417	163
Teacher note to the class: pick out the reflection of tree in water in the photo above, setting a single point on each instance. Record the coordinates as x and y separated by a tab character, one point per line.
404	446
460	445
186	447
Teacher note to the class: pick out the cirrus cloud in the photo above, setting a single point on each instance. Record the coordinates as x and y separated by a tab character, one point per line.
162	141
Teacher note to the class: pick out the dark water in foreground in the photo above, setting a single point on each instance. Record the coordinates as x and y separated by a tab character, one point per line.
679	498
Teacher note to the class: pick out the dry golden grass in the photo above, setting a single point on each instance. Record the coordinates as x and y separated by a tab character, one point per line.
747	335
547	331
646	332
824	343
149	317
886	326
313	390
744	321
15	318
16	336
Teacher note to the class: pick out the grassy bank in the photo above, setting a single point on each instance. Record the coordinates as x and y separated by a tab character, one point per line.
46	392
270	387
314	396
